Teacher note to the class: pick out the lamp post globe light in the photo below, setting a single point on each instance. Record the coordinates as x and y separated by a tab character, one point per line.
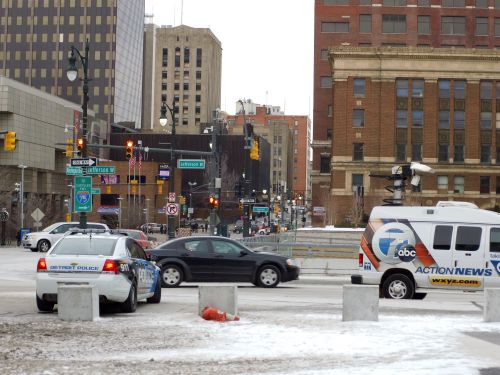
72	73
163	122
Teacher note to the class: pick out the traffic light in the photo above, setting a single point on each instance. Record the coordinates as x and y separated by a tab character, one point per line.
79	145
216	203
69	148
10	141
211	201
248	135
129	150
254	151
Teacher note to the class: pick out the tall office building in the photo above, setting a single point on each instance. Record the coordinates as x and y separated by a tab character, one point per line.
358	130
36	37
182	65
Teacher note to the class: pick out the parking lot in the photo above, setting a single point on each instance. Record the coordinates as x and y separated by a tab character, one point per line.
296	328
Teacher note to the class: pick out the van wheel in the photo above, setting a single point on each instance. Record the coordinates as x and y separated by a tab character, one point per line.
398	286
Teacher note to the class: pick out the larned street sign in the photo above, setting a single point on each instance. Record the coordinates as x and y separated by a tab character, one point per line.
102	169
191	164
260	209
87	162
74	171
83	194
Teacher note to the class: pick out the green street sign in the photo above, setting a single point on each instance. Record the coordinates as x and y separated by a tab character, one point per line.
260	209
74	171
191	163
101	169
83	194
96	191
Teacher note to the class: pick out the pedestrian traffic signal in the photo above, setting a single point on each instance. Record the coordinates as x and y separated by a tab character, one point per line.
10	141
254	151
129	150
79	145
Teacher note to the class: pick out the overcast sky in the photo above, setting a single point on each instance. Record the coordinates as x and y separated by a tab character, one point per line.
267	47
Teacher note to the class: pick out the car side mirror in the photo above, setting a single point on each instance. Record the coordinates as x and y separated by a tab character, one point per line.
243	253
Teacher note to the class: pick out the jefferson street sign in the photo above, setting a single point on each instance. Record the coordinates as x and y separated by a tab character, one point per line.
87	162
102	169
191	163
74	171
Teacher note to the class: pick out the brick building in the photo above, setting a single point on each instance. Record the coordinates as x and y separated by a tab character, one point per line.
464	27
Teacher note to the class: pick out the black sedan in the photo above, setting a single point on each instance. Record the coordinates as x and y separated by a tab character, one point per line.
212	258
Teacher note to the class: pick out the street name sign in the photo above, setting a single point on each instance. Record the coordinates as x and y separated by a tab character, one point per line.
96	191
74	171
247	200
260	209
87	162
102	169
83	194
191	163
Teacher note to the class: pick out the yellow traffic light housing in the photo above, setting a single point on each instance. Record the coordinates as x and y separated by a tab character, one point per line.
10	141
129	150
69	148
211	201
254	151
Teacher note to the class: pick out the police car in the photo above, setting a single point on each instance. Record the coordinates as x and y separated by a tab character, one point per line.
114	263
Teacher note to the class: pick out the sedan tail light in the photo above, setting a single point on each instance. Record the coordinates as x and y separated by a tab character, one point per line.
41	266
110	266
360	260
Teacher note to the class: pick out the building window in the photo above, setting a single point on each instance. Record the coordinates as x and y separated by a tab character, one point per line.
186	56
497	4
365	23
424	25
416	152
164	61
177	57
198	74
164	75
330	110
359	87
323	55
393	23
459	119
329	133
198	87
498	185
176	86
325	82
334	27
198	57
424	3
357	151
459	89
336	2
458	184
417	88
458	155
417	118
486	89
367	2
444	119
442	182
357	180
485	120
485	154
163	98
186	86
163	87
453	3
453	25
324	164
401	152
358	118
481	26
444	88
394	3
198	98
481	3
402	88
443	153
484	184
497	25
401	119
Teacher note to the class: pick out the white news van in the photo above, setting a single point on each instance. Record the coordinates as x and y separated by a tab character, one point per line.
454	245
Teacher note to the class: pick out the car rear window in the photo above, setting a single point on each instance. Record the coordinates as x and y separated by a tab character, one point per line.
85	246
135	235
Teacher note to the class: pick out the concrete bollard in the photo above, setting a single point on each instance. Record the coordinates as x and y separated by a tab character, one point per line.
491	312
360	302
222	297
77	302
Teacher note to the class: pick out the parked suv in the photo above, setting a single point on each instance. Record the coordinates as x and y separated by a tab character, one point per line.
151	228
43	240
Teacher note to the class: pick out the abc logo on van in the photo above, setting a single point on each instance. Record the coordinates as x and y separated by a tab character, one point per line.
394	243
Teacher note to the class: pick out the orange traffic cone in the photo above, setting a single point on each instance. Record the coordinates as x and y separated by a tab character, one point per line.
211	313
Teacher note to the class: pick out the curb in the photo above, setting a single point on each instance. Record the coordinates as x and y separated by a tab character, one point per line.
325	280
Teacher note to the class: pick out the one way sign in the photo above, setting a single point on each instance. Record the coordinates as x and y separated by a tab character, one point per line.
87	162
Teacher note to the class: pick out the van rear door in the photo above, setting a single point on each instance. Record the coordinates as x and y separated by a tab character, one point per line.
469	254
493	257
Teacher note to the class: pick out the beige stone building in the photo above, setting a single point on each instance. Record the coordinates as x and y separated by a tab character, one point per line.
181	64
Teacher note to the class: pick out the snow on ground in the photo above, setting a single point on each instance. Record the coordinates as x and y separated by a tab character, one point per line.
263	342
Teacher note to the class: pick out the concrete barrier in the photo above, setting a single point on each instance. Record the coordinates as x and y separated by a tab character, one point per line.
491	312
222	297
77	302
360	302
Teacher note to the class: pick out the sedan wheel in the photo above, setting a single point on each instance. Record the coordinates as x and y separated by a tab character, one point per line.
171	276
43	246
268	277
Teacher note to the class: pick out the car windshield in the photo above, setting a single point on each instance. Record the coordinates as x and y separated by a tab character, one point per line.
85	246
51	227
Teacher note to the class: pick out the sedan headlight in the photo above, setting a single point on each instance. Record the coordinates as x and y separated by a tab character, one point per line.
290	262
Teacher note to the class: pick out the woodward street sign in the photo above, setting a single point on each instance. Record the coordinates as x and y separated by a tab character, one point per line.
191	163
87	162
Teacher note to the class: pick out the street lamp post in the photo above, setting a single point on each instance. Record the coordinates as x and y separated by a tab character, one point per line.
72	74
21	192
163	122
191	186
